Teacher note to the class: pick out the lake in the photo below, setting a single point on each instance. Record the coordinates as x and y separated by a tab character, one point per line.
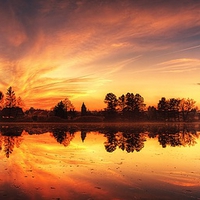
100	161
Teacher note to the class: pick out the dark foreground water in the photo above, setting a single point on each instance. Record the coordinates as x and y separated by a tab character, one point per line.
99	162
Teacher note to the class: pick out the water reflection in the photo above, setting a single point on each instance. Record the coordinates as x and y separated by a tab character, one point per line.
127	138
125	141
8	143
62	136
99	161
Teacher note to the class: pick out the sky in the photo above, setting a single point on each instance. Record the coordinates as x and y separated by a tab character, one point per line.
83	49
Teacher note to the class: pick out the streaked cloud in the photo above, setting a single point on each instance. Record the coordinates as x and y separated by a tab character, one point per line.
72	47
180	65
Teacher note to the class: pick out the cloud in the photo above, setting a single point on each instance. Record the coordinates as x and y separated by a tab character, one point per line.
68	47
179	65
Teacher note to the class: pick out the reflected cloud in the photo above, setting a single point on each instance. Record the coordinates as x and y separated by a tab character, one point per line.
52	162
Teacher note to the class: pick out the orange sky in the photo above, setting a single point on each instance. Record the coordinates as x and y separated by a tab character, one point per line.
85	49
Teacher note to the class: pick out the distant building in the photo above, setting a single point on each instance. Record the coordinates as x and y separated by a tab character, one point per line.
12	113
83	110
38	114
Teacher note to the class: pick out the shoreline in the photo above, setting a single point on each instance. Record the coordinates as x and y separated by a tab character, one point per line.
99	123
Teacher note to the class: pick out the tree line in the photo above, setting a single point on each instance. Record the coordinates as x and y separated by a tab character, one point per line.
9	100
127	107
132	107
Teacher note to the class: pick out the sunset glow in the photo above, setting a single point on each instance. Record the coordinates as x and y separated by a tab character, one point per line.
39	167
85	49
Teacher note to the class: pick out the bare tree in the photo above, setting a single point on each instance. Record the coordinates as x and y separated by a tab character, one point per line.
186	106
20	103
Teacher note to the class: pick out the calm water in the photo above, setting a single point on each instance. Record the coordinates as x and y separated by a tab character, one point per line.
97	162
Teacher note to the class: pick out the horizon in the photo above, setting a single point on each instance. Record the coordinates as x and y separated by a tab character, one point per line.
83	50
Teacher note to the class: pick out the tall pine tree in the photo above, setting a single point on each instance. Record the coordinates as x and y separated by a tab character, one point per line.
10	98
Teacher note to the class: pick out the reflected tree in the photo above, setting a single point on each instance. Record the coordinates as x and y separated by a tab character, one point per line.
135	142
188	137
131	141
1	141
62	136
111	143
175	136
69	137
169	139
9	143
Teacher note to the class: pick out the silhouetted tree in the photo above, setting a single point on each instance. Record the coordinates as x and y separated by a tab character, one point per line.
69	108
173	109
130	102
151	113
60	111
134	105
122	102
20	103
68	104
111	101
10	98
163	108
1	100
139	103
186	106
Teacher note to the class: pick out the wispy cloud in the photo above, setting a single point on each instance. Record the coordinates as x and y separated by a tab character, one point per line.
179	65
66	47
